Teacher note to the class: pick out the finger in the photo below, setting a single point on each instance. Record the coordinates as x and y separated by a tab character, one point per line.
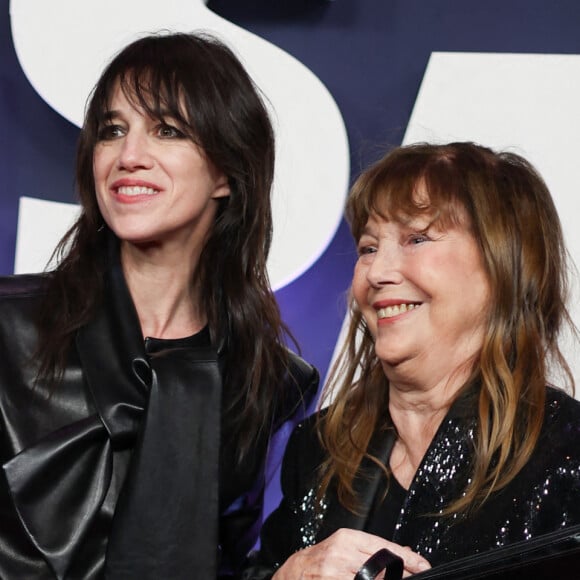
368	544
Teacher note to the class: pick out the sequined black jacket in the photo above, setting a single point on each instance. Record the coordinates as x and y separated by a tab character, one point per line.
544	496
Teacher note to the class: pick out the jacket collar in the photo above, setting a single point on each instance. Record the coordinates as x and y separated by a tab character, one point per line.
113	356
365	485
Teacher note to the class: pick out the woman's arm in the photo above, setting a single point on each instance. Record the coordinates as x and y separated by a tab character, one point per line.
283	532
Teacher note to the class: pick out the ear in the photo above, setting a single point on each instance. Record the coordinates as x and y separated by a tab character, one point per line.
222	187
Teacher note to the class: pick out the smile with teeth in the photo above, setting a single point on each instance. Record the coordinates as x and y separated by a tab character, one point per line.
136	190
390	311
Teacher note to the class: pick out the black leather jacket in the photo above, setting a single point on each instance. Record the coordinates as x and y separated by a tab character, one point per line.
62	468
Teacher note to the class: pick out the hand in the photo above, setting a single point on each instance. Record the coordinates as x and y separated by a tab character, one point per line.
340	556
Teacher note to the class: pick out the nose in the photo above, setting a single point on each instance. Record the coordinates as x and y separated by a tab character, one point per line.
385	267
135	152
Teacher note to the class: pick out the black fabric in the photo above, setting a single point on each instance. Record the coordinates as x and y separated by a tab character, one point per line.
390	498
170	534
65	452
542	498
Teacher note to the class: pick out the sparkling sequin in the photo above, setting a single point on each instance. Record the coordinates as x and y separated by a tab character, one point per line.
543	497
316	509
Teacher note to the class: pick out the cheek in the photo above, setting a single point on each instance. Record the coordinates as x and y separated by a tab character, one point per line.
359	286
97	171
100	175
101	165
469	293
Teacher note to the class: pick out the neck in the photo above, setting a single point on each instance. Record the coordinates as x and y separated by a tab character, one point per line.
164	290
417	413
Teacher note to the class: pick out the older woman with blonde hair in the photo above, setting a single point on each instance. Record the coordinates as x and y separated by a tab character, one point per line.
443	436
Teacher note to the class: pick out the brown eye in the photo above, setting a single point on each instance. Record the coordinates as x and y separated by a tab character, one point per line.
109	132
363	250
416	239
170	132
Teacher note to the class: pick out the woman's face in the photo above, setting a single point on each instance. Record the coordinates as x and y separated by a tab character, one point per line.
424	295
153	184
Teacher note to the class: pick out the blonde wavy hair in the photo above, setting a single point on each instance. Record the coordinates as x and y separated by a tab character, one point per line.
516	225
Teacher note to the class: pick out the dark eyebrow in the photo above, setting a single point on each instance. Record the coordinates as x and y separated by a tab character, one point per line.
109	116
164	114
167	114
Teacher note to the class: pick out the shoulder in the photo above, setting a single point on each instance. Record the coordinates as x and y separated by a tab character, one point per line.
562	419
304	452
561	407
556	457
301	372
300	389
20	296
548	487
20	303
22	286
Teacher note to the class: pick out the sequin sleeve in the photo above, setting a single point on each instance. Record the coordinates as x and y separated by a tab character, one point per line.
293	525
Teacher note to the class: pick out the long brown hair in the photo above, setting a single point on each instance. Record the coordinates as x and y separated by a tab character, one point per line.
515	223
201	83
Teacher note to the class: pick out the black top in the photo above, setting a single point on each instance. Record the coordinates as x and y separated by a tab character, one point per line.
389	502
198	340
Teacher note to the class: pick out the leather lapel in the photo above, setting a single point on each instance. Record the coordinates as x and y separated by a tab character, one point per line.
113	357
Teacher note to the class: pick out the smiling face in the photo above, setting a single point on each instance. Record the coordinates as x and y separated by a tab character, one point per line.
424	295
153	183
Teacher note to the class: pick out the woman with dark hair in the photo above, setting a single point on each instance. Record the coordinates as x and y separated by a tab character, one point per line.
443	437
142	379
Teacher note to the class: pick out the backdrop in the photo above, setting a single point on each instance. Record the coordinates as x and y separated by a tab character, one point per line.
346	80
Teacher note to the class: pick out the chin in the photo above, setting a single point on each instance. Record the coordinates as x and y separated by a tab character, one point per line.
134	236
390	358
393	358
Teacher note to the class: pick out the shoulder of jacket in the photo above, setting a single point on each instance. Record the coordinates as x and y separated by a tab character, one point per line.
562	422
300	370
300	388
560	403
304	452
22	285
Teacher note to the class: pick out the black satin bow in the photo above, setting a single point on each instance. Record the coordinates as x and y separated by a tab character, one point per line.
165	523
